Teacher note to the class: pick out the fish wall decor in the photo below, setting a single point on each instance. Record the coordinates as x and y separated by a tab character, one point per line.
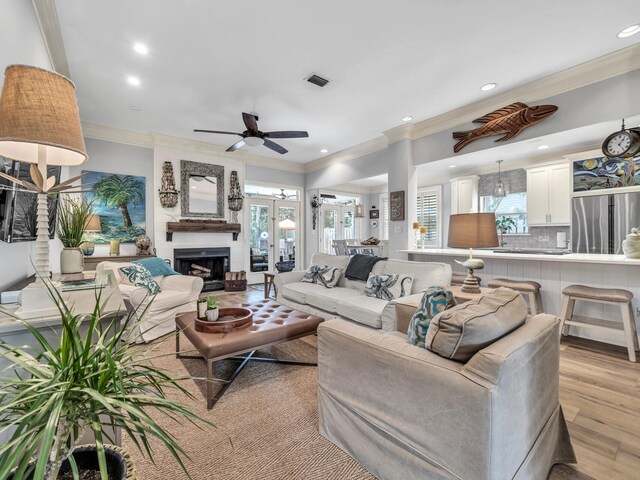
509	120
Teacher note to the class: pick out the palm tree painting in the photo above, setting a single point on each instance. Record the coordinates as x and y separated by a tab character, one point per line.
119	200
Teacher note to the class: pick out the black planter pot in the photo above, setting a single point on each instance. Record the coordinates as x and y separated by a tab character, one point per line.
119	466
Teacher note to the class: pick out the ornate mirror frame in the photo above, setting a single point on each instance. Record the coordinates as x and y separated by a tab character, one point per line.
188	169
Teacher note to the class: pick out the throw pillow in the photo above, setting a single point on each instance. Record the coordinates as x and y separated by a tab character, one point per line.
434	301
388	287
138	276
323	274
462	331
156	266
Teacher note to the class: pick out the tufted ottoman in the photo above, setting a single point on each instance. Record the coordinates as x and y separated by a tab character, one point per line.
272	324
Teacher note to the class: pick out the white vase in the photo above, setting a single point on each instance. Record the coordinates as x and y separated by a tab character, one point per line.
631	246
212	315
71	260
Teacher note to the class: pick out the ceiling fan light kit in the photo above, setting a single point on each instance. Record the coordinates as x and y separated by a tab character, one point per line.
254	137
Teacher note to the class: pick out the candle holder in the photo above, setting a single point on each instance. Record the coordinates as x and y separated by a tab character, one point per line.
416	234
423	232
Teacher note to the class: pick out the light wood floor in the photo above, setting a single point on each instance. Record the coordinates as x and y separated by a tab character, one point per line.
600	397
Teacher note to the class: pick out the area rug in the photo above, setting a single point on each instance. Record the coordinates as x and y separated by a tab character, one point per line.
266	423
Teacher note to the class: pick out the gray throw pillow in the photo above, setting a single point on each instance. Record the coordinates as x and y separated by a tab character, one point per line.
388	287
323	274
460	332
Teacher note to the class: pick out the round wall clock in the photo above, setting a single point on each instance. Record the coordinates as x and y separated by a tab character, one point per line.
624	143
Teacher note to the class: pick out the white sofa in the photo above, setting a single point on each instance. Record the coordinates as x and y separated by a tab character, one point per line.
178	295
347	300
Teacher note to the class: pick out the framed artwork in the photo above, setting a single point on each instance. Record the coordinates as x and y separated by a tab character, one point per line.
396	206
374	213
119	202
602	173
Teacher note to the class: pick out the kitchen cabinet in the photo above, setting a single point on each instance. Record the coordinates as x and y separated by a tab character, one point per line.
464	194
549	194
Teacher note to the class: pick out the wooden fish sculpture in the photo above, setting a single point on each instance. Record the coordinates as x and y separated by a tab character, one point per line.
511	120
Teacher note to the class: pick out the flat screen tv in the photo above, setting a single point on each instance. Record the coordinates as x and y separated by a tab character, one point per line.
18	206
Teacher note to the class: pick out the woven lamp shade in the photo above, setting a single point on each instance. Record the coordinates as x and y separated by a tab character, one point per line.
472	230
38	107
93	224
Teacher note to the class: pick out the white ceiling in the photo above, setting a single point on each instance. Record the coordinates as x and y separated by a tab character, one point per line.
211	60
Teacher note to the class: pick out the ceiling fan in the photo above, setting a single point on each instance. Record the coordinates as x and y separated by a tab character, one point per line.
283	195
253	137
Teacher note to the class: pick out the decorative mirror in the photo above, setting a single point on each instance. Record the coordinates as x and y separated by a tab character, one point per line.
202	189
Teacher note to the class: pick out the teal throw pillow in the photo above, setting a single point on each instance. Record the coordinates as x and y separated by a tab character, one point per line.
156	266
434	301
138	276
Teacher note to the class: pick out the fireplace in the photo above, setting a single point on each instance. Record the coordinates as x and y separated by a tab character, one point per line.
210	264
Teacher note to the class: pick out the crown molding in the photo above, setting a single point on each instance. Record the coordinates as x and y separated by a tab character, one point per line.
587	73
585	153
169	141
370	146
401	132
117	135
47	17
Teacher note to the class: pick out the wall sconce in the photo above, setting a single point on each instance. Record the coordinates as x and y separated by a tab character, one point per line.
316	203
359	211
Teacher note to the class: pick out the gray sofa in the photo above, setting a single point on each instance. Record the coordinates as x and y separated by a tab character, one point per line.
347	300
404	412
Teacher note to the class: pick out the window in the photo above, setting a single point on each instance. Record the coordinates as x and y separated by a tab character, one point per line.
428	214
384	216
511	211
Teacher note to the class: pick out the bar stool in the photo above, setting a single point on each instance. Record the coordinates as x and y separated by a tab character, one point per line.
527	288
458	278
611	296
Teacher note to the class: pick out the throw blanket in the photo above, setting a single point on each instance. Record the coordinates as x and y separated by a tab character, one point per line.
360	267
434	301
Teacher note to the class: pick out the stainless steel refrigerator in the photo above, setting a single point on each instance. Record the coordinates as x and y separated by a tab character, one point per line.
599	223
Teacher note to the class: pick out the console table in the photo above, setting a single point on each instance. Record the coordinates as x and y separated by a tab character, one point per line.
91	262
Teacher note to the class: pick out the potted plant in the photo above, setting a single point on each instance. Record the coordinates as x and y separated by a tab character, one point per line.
73	218
92	380
212	312
505	224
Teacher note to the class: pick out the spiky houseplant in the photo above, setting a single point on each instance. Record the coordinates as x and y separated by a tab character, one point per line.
92	380
73	218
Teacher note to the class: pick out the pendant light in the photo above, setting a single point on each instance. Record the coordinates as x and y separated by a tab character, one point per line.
499	190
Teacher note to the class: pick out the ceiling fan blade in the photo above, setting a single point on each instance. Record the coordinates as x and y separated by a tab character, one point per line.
217	131
292	134
250	121
236	146
274	146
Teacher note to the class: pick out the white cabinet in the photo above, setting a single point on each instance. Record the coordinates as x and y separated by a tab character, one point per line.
464	194
549	195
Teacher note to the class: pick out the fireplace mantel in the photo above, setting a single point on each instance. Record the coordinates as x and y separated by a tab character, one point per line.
203	226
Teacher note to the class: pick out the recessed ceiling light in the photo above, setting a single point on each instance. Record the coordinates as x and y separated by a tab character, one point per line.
452	166
133	80
488	86
408	118
324	150
543	147
135	108
627	32
141	48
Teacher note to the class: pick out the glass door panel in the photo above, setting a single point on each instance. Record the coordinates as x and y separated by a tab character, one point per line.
349	223
287	232
260	239
330	228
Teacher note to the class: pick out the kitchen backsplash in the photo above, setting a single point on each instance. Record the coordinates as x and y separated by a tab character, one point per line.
538	237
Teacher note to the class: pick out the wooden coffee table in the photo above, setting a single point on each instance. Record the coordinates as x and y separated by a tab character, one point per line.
272	324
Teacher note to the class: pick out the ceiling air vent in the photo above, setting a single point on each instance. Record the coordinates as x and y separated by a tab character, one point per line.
317	80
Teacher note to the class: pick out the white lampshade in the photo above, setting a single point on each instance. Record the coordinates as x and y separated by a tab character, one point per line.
287	225
253	141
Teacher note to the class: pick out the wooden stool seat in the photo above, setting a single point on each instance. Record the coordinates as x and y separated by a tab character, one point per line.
612	296
528	288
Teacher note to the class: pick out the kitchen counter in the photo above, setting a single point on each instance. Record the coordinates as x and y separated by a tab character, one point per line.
554	273
569	257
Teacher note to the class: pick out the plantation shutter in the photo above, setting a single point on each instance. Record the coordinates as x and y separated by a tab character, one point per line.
384	216
428	213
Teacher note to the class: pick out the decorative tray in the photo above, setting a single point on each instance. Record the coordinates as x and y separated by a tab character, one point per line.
229	319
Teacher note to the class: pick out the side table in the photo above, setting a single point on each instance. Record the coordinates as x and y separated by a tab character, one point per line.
268	282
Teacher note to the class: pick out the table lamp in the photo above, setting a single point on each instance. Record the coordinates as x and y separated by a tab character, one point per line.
40	124
472	230
93	226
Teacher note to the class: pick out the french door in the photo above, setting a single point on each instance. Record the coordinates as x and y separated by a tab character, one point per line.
337	222
274	236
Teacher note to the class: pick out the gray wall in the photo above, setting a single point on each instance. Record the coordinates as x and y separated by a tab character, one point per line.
21	43
271	175
111	157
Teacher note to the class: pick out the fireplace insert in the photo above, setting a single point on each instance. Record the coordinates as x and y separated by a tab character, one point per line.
210	264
